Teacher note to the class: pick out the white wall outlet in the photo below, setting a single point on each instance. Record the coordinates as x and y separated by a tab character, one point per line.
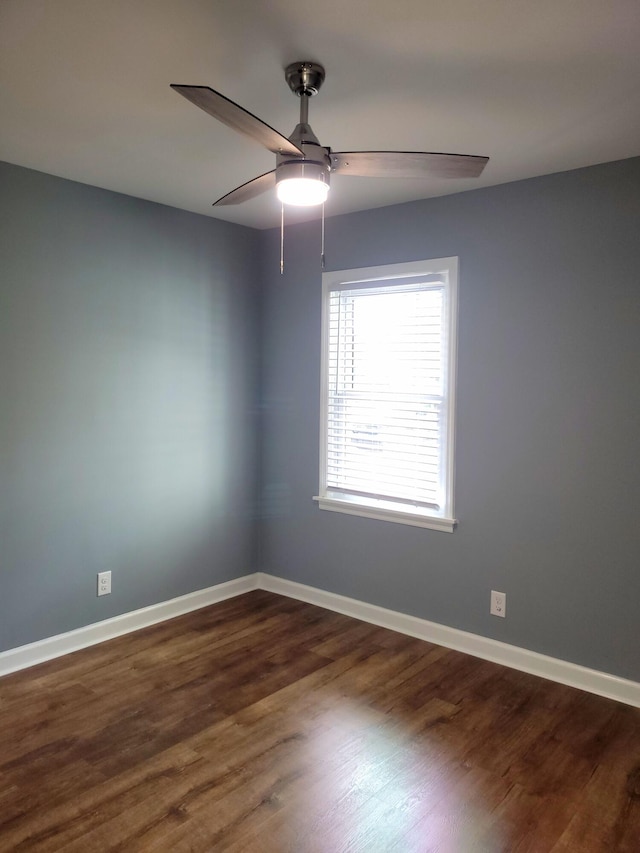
498	603
104	583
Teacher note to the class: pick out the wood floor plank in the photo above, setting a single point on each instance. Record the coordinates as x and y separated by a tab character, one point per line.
266	725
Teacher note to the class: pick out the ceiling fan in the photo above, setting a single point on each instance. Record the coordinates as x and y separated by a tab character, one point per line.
303	166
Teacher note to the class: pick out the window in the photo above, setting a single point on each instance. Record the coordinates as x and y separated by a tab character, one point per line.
388	383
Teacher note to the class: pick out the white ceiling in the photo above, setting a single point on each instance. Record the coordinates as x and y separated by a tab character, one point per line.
539	87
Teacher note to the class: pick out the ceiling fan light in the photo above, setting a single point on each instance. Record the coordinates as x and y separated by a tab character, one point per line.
303	183
302	192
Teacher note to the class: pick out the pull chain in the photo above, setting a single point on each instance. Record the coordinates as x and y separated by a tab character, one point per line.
322	259
282	240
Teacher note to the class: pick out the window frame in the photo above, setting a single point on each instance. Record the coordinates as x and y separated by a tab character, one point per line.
400	512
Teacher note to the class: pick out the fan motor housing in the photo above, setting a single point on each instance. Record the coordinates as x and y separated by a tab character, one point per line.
315	165
302	169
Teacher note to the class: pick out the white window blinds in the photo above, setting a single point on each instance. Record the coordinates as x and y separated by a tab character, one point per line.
386	383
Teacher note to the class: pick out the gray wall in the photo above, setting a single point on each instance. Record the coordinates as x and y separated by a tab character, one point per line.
130	337
128	354
548	430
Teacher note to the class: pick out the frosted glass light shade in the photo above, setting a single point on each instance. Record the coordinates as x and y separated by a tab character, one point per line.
302	192
304	182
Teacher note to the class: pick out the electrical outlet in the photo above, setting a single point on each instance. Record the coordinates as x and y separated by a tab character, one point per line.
498	603
104	583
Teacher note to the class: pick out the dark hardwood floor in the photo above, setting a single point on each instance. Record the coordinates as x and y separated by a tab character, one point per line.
263	724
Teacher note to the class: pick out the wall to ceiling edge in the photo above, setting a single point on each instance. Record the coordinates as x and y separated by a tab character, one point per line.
128	427
548	424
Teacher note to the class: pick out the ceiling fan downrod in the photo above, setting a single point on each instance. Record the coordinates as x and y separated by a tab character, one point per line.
305	80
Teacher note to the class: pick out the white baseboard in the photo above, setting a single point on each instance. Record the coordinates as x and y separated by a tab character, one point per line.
62	644
571	674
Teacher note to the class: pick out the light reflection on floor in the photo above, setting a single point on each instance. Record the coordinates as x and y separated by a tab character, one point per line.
385	788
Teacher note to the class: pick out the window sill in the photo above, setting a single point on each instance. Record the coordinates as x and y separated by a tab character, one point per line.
387	511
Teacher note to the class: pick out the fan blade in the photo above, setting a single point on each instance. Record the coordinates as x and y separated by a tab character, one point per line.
237	118
406	164
254	187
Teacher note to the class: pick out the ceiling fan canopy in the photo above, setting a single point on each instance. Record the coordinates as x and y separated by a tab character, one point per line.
303	166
